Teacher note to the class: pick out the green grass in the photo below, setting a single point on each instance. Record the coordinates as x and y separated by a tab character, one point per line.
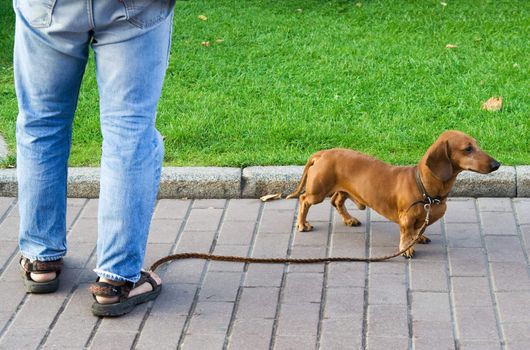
287	82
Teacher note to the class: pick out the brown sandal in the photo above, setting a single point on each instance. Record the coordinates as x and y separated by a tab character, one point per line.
28	267
124	304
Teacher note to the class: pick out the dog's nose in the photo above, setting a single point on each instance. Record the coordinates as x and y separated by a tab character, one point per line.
494	165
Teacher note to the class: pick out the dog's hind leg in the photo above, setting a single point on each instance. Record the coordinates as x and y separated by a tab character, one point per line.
337	200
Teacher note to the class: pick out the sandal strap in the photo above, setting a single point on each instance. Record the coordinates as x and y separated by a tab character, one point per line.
104	289
146	277
37	266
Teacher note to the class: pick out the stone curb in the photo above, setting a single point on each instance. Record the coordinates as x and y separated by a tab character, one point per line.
254	182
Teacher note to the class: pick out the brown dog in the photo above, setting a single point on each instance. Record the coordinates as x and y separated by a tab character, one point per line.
392	191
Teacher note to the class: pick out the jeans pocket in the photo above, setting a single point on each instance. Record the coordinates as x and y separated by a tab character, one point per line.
38	13
147	13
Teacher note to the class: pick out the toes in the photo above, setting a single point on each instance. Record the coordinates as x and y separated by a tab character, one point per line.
305	227
408	254
352	222
424	240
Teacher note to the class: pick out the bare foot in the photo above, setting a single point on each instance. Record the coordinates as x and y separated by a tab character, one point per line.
42	277
143	288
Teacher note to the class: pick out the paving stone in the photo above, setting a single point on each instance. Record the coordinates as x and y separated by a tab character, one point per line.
23	338
514	306
346	274
301	288
264	275
514	331
476	323
315	238
346	341
463	235
394	266
9	229
387	321
498	223
522	208
243	210
164	230
236	232
302	252
276	221
298	319
209	203
344	302
271	246
430	306
459	210
467	262
195	241
8	249
210	318
84	230
231	250
258	302
518	344
220	286
510	276
428	343
348	244
435	330
175	209
387	290
339	226
185	271
289	342
203	341
494	204
504	249
203	219
385	343
251	334
428	276
6	203
384	234
434	251
480	345
471	291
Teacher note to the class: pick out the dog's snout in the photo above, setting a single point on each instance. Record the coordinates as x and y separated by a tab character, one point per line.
494	165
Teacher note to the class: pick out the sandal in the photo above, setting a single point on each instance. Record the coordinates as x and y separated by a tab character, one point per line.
27	267
124	304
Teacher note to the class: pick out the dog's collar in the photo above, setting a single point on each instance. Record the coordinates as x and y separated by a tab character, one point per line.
426	198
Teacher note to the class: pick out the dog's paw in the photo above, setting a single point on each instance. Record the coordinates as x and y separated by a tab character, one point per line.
305	227
409	253
352	222
424	240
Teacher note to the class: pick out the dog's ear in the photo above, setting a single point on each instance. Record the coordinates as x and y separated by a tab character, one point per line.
439	161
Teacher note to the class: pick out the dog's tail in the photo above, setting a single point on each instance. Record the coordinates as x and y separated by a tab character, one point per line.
301	185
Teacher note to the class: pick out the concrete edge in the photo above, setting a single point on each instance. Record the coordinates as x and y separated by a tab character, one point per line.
256	181
3	148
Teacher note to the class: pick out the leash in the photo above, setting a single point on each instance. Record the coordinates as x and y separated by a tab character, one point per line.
205	256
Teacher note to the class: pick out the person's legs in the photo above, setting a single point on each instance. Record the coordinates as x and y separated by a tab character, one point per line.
49	61
130	70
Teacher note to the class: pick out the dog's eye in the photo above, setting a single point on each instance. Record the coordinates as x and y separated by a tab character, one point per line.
468	149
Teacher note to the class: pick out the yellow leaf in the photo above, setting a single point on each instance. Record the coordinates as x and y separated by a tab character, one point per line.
219	40
493	104
205	43
270	197
450	46
203	17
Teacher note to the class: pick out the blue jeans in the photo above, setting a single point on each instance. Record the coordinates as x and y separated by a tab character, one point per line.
131	40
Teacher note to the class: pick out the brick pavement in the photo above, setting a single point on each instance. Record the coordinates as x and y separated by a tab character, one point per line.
468	289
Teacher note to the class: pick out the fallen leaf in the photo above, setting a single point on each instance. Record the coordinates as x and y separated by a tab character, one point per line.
443	3
270	197
219	40
493	104
450	46
299	10
205	43
359	4
203	17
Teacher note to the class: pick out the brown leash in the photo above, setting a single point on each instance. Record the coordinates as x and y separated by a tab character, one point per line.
182	256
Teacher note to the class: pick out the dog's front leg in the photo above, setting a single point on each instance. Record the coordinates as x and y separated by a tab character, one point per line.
406	236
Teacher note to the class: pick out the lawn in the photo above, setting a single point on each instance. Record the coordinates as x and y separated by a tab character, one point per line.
282	79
